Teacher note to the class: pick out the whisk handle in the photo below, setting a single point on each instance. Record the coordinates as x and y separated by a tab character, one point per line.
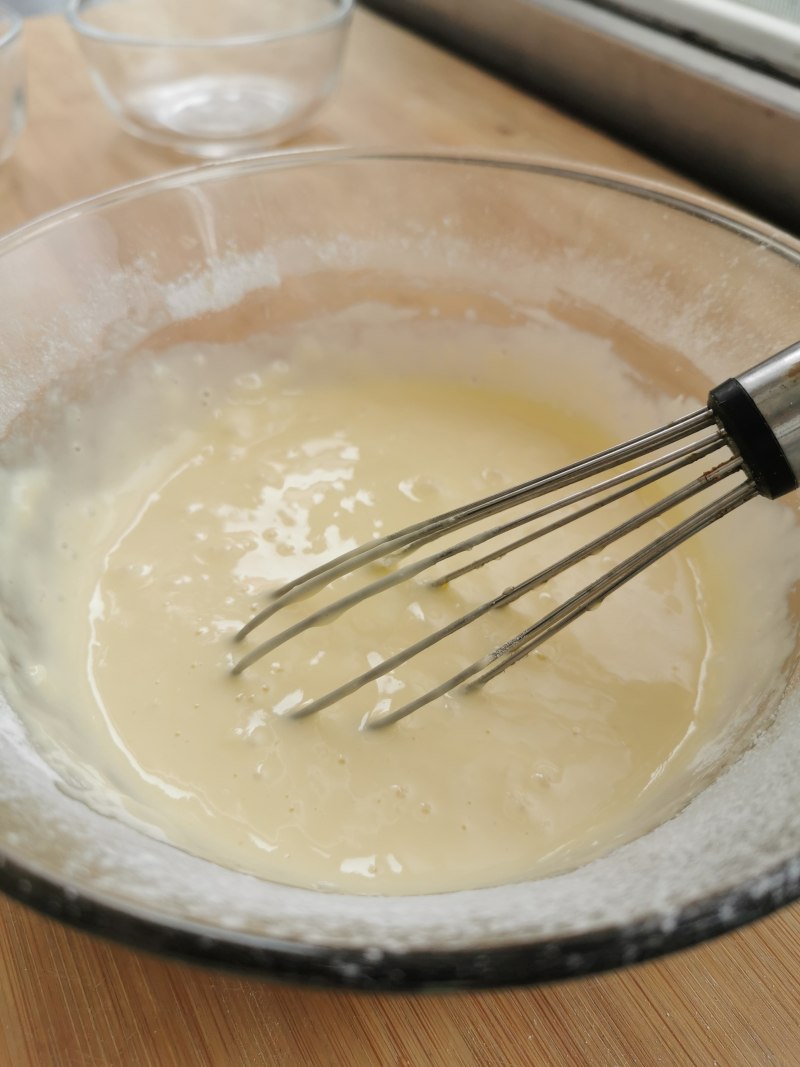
759	410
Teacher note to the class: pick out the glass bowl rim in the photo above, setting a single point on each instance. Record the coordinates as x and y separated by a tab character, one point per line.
343	10
515	963
687	202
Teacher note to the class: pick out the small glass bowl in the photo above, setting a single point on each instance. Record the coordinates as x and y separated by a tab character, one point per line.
213	80
12	81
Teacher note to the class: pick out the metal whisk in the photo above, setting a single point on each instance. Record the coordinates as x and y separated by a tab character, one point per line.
755	415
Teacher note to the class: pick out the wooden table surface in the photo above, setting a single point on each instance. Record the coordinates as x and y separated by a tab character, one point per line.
68	999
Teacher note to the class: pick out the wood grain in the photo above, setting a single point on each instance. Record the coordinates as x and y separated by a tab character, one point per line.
69	1000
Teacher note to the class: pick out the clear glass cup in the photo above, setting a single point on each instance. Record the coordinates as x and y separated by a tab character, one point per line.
213	80
12	81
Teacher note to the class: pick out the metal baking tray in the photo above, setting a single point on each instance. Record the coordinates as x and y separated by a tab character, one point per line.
711	87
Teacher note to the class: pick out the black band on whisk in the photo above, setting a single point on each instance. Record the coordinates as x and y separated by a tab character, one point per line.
752	437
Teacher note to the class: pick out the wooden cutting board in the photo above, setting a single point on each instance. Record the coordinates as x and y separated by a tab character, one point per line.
68	999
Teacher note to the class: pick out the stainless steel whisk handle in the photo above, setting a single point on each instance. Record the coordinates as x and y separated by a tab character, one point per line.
759	412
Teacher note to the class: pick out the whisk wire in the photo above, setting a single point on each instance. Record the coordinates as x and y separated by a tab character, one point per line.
420	533
645	473
509	596
528	640
661	467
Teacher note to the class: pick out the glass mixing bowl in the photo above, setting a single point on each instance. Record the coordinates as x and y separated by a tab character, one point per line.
685	295
213	80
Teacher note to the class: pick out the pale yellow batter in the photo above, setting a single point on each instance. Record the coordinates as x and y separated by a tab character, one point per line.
207	485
